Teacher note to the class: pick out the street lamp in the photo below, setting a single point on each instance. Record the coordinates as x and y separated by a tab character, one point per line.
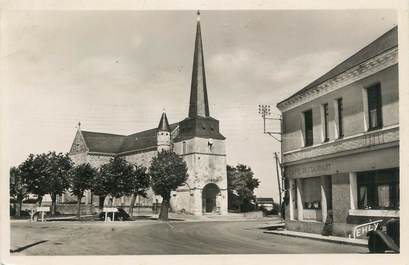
265	112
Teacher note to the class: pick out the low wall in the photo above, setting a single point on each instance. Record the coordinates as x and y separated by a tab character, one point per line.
73	208
306	227
338	229
63	208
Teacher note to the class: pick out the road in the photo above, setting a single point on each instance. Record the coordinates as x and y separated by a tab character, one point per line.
154	237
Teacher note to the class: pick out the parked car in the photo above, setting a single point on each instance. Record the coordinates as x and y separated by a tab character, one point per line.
380	241
120	215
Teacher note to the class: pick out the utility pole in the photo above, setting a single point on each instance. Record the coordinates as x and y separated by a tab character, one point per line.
278	174
265	112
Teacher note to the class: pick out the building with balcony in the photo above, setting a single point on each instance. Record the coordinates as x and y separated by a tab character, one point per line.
340	143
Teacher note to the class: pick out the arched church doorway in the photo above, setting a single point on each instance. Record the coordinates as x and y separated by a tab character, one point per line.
209	196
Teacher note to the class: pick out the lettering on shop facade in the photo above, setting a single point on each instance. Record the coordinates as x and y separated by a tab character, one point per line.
310	170
363	229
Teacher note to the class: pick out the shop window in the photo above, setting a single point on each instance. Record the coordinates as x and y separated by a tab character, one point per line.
374	107
311	193
378	189
308	128
340	118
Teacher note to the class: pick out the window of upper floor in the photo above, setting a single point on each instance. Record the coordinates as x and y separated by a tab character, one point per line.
308	128
374	107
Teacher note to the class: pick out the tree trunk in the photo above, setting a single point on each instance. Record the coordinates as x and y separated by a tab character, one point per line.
79	207
18	206
53	203
101	202
130	212
40	200
164	210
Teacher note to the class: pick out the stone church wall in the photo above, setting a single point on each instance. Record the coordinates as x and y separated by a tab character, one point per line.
143	159
98	160
206	164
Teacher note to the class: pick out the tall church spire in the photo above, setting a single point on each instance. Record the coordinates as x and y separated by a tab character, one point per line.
199	105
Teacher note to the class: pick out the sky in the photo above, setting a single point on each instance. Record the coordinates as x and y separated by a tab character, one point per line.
115	71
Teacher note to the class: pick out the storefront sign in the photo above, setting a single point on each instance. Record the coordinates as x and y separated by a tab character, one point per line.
363	229
309	170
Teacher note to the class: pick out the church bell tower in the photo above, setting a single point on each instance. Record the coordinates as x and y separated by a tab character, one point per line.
202	146
163	133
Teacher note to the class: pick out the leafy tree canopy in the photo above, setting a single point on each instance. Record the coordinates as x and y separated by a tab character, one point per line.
18	188
58	171
35	173
241	184
168	171
138	182
113	178
81	178
46	173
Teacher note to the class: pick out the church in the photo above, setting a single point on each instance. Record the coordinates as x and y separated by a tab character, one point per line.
196	139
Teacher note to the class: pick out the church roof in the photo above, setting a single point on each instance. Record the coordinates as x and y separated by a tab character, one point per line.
385	42
103	142
142	140
199	104
115	143
163	123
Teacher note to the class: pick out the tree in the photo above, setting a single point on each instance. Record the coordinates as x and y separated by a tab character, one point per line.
138	184
112	179
81	178
241	184
168	171
34	172
59	166
18	189
100	187
46	174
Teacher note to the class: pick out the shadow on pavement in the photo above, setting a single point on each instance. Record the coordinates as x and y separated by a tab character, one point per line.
27	246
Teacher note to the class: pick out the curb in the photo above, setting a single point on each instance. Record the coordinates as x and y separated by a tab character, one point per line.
339	240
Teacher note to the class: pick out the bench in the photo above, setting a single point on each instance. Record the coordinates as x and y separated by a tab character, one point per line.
110	210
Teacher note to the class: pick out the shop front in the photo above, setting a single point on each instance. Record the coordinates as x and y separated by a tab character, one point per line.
345	190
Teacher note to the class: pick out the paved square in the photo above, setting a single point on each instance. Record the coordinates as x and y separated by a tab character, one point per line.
154	237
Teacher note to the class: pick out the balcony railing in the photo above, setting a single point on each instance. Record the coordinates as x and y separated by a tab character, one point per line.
382	136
